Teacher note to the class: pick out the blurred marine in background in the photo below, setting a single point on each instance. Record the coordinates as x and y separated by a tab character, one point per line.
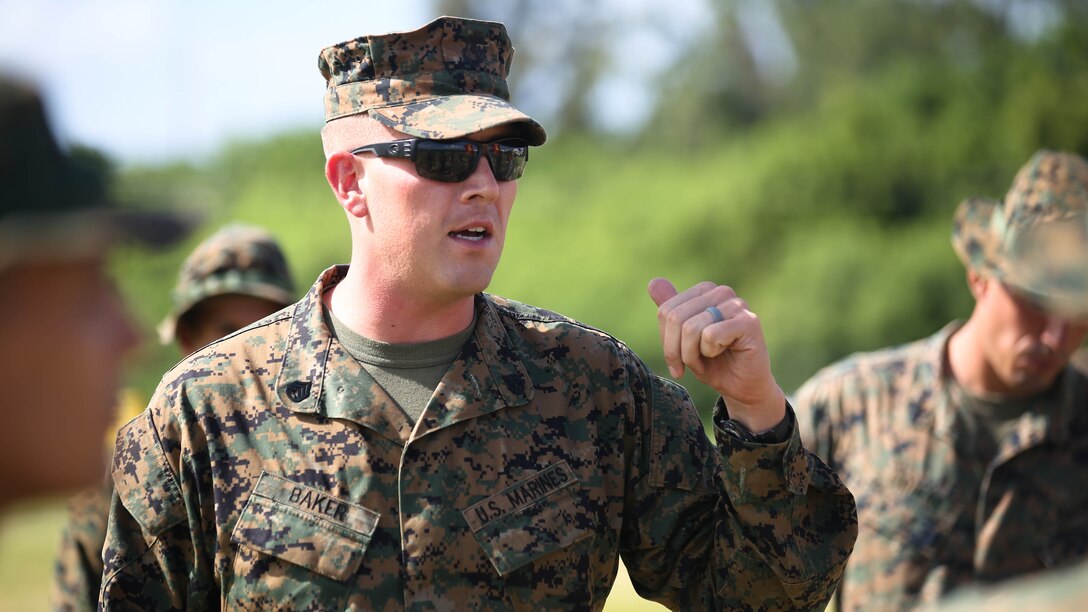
968	451
63	326
235	277
402	440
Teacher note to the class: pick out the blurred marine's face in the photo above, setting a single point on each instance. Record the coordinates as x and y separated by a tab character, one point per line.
1026	348
220	315
63	332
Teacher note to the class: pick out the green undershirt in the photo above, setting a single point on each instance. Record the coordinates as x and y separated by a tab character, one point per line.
993	418
410	372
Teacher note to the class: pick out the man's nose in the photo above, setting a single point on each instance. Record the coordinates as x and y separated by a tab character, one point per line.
1056	333
482	182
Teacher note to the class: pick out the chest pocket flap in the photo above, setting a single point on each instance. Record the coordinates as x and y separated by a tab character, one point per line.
530	519
305	527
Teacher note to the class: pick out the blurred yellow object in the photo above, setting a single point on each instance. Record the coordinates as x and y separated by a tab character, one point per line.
130	403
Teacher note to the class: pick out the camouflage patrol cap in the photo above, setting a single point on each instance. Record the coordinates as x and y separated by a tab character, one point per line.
444	80
1036	240
54	205
237	260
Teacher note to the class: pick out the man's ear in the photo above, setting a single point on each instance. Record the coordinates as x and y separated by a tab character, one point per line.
344	176
978	283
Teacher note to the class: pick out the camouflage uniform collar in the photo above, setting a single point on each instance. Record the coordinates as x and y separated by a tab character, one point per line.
940	414
320	377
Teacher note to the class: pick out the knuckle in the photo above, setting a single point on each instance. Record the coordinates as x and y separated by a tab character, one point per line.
690	326
723	293
674	318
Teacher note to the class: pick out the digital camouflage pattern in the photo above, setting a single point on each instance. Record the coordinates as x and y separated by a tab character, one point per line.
270	472
1036	239
238	259
931	518
77	570
444	80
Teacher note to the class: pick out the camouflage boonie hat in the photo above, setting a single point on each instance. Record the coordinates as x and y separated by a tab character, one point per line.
1036	240
444	80
238	260
55	205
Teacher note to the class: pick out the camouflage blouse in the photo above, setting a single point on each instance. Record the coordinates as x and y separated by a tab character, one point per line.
932	516
270	472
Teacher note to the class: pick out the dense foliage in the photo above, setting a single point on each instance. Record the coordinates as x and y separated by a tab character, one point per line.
826	203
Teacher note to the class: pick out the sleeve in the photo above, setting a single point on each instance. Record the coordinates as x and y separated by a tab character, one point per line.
152	557
746	526
77	573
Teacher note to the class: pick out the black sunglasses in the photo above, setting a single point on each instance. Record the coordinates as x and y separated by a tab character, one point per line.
452	161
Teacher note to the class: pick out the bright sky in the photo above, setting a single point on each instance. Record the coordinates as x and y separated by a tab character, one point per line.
149	81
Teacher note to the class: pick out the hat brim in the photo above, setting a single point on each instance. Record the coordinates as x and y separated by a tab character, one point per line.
1050	266
74	235
167	329
974	242
458	116
1047	265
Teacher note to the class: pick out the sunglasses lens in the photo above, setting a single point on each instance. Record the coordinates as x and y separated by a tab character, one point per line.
508	160
453	162
446	162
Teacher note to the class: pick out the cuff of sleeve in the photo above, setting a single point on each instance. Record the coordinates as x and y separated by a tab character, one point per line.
778	434
756	470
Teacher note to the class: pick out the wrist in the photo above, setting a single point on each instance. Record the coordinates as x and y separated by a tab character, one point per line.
758	416
779	434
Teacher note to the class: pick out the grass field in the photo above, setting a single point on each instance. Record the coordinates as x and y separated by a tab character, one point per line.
28	540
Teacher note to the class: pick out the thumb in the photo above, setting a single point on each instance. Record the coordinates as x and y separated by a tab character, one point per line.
661	290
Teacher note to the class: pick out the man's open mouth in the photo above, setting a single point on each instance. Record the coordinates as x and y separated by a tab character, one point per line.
470	233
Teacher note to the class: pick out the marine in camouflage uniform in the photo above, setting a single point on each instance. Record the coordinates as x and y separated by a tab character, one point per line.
959	482
234	277
272	469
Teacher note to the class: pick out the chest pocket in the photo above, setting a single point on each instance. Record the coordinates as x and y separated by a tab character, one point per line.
903	526
1041	511
911	491
311	542
532	518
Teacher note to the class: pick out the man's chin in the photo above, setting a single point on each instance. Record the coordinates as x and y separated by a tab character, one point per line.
1030	381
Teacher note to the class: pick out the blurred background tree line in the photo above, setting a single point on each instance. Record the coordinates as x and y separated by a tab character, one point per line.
809	153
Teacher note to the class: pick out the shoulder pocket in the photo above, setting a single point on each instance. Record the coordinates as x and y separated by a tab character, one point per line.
305	527
144	480
530	519
679	448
